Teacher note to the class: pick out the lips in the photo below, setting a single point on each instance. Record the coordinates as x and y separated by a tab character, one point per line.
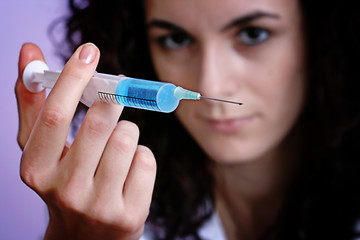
228	125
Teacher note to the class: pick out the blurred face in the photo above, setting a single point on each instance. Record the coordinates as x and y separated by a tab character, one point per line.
240	50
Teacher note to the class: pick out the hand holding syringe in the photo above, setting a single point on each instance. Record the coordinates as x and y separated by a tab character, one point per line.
130	92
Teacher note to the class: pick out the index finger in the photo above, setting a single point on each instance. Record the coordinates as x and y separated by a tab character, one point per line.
49	134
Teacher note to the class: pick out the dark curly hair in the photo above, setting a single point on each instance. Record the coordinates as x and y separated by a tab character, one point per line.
324	200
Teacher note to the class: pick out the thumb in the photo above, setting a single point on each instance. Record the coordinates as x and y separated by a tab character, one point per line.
29	104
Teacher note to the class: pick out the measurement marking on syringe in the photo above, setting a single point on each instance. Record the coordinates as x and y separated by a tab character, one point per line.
127	100
107	97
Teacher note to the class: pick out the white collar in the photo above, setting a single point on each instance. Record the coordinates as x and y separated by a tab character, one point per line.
212	229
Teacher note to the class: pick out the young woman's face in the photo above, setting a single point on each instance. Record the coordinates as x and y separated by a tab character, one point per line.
249	51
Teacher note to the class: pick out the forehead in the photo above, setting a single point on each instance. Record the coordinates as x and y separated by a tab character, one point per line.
214	12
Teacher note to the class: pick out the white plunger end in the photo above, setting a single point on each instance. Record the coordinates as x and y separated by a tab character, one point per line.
33	67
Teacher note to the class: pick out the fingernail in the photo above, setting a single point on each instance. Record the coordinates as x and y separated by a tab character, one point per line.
87	54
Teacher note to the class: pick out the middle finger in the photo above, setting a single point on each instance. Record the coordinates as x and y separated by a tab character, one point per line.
86	151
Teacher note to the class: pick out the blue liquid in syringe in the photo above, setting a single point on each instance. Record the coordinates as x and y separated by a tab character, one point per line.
144	94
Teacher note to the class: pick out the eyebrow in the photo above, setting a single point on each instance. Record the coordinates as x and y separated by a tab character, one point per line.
250	17
236	22
165	25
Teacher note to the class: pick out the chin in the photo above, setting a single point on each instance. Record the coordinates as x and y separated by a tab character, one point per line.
232	153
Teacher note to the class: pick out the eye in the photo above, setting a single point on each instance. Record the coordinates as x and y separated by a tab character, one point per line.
174	41
253	35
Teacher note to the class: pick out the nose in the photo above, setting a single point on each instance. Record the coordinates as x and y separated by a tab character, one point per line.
217	75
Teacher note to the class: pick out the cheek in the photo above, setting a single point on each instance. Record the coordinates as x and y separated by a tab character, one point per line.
282	99
290	90
286	105
283	82
286	90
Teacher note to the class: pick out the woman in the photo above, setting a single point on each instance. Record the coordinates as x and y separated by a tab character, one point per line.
282	166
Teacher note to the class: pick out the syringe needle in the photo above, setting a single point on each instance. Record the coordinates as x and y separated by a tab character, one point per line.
221	100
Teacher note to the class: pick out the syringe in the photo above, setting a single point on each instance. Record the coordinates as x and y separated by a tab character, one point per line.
130	92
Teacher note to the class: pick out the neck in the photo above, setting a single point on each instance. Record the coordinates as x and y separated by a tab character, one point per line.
249	196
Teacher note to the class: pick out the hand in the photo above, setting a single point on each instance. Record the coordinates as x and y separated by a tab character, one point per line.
100	187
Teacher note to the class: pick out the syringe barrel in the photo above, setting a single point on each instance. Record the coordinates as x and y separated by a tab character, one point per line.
130	92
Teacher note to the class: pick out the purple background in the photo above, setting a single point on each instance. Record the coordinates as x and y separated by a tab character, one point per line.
23	215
